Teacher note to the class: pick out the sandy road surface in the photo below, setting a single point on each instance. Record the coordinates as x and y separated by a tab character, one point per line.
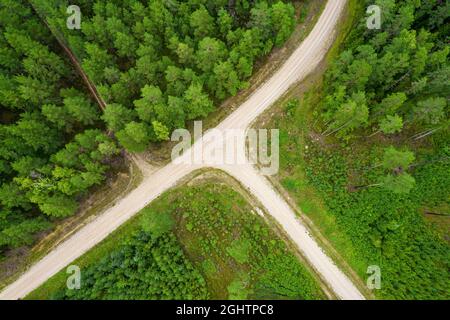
302	61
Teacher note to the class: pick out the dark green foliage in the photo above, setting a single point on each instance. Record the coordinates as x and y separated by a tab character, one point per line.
195	53
190	53
50	155
21	233
144	266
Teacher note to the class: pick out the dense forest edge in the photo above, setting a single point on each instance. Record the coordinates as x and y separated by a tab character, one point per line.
364	152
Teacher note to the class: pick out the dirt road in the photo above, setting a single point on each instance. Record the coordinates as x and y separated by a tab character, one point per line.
302	61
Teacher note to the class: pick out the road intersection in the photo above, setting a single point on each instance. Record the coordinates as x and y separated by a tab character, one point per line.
303	60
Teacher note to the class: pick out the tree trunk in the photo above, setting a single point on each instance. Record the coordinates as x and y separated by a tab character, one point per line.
437	214
341	127
426	134
373	134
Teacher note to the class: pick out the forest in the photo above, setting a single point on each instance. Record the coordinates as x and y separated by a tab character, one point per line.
371	139
195	242
156	65
53	145
144	266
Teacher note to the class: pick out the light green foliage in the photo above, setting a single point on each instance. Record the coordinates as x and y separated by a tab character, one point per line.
283	20
431	111
224	21
185	53
392	68
239	250
161	131
96	62
237	289
156	223
225	80
106	148
198	102
402	183
202	23
117	116
57	205
392	103
208	267
21	234
58	115
393	158
210	51
351	115
134	136
80	108
391	124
